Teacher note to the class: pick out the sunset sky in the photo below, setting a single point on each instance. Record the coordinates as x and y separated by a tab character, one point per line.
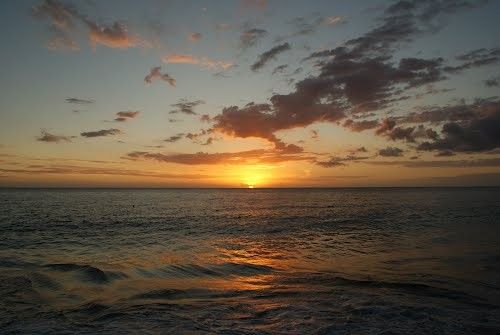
249	93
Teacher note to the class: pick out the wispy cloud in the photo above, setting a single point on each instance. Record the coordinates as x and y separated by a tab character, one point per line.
195	37
203	61
251	37
267	56
66	22
80	101
102	132
185	106
51	138
156	73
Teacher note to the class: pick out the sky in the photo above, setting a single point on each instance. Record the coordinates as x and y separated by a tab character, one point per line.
249	93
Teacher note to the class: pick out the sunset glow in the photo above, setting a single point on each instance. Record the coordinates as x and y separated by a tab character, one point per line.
249	93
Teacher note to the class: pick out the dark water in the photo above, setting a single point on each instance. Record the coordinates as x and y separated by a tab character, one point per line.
347	261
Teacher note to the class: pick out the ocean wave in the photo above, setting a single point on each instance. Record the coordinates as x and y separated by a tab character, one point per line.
87	273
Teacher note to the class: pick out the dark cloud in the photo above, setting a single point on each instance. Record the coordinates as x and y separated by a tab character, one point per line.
51	138
251	37
294	110
156	73
269	55
185	106
391	152
386	125
175	138
359	126
462	163
195	37
476	135
125	115
492	82
102	132
340	161
79	101
280	68
475	58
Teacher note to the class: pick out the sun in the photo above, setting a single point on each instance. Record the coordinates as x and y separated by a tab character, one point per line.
252	176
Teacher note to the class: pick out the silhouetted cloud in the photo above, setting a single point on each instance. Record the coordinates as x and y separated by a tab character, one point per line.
80	101
474	59
156	73
51	138
102	132
477	135
185	106
250	37
391	152
269	55
175	138
492	82
340	161
462	163
125	115
359	126
280	68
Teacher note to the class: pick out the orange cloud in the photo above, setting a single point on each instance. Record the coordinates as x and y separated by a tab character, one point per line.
203	61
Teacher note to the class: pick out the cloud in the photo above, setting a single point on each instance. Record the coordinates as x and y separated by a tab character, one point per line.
51	138
80	101
174	138
269	55
475	58
251	37
280	68
186	107
222	26
482	134
492	82
390	152
360	77
83	170
333	20
156	73
340	161
231	158
66	22
128	114
114	36
195	37
359	126
102	132
256	4
298	109
62	41
457	112
203	61
125	115
462	163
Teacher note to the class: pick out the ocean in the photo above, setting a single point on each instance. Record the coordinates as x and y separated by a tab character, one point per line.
250	261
